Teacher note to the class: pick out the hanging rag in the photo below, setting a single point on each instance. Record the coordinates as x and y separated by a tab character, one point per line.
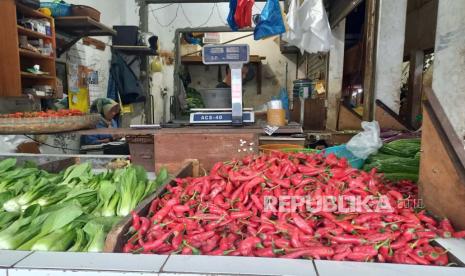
271	21
232	12
243	14
124	82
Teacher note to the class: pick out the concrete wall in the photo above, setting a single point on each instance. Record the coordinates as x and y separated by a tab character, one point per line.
449	63
389	52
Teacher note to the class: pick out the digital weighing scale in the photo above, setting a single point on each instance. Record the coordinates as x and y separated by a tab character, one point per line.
235	56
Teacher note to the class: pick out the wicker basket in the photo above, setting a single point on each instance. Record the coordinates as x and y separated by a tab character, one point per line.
47	125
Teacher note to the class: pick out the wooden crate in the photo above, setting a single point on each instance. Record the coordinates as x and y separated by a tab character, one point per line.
116	238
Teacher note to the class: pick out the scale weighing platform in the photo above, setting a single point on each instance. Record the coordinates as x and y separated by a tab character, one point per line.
235	56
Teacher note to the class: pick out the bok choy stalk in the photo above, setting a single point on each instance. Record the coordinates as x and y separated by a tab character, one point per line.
22	229
80	242
6	218
23	200
54	221
127	186
59	240
96	231
105	194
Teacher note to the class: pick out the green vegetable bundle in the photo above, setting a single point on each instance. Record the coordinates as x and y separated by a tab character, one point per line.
398	160
69	211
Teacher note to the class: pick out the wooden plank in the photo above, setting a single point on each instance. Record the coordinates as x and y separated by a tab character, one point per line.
314	116
116	238
370	37
31	33
456	143
348	119
82	25
415	84
171	149
31	54
420	28
387	118
441	183
10	80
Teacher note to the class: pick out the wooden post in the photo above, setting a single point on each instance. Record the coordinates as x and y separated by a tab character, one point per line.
415	83
371	19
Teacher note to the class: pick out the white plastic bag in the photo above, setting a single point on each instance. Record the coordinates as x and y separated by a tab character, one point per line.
366	142
309	28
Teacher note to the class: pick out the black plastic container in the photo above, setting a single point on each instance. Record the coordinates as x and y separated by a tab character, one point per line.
126	35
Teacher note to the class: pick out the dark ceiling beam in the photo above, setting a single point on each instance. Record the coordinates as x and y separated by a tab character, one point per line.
338	10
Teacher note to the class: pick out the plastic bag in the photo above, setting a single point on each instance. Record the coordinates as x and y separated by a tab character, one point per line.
284	97
271	21
366	142
309	28
243	15
232	12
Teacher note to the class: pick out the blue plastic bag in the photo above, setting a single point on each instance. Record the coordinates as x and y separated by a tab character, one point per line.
232	12
271	21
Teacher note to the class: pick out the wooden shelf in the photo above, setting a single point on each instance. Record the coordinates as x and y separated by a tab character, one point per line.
31	33
26	11
35	76
30	54
135	50
198	59
77	27
82	26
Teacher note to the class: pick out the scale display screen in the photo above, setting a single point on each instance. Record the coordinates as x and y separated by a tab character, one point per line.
225	54
219	117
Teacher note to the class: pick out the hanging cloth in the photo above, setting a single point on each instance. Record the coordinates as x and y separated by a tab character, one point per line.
243	15
232	12
271	21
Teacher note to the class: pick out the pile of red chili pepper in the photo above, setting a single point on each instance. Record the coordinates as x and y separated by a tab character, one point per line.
223	214
44	114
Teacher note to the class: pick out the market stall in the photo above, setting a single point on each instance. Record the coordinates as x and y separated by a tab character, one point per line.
275	143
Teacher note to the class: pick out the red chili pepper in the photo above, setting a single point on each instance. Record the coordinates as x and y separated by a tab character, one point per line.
268	252
366	249
341	255
135	221
247	245
443	259
426	234
459	234
359	256
144	225
150	246
421	215
211	243
252	183
240	215
302	224
154	206
181	208
215	168
310	252
366	217
446	225
418	256
348	239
